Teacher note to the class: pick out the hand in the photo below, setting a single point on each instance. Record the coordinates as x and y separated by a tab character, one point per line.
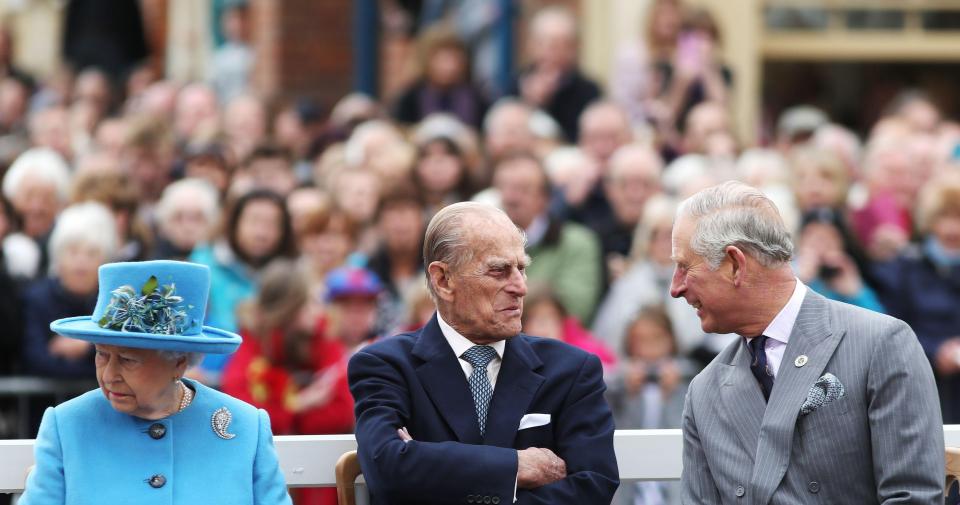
404	435
946	361
669	377
847	281
538	86
887	241
68	348
634	376
538	467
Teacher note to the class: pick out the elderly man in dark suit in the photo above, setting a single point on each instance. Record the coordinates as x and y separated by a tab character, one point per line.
820	401
468	409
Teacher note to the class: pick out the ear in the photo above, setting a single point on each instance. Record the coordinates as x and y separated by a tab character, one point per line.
738	264
439	277
181	366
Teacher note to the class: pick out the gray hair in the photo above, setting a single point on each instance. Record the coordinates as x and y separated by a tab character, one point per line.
197	190
446	238
84	223
40	162
193	358
733	213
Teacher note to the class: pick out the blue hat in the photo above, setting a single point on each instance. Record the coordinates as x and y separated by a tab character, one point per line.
151	305
352	281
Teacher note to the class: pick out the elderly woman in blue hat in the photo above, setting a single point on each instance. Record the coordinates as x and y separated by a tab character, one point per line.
148	435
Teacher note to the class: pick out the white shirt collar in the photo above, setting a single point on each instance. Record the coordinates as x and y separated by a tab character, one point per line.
460	344
537	229
782	325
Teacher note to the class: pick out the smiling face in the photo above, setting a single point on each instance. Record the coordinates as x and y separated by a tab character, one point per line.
139	382
711	292
483	299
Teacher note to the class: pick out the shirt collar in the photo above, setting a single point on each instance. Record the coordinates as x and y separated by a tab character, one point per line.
537	229
460	344
782	325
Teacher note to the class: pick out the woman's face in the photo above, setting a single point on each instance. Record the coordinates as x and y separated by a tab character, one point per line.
188	225
439	170
77	267
649	341
139	382
259	229
326	250
37	203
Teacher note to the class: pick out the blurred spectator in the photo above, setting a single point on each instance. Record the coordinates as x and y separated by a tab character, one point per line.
916	110
83	239
820	180
633	177
883	223
441	174
14	96
552	80
231	64
826	260
352	295
544	316
209	164
646	282
196	117
797	125
37	185
187	215
9	69
648	393
114	191
50	128
574	176
244	126
297	128
267	167
921	286
706	123
507	129
565	255
93	87
444	84
10	305
257	230
148	158
398	261
357	193
325	242
303	202
604	128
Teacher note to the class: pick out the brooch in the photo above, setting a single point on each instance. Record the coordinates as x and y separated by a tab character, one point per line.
220	422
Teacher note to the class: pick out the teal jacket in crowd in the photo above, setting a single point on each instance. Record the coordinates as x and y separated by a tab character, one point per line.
87	453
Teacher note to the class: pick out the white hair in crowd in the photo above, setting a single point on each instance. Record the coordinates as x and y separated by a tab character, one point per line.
197	190
733	213
88	223
41	162
374	132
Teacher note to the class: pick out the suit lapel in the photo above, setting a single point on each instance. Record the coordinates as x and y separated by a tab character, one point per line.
741	397
445	383
517	383
813	337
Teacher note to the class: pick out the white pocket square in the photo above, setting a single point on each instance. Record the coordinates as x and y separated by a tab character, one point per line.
533	420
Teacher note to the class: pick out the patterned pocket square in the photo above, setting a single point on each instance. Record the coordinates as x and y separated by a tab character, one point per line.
827	389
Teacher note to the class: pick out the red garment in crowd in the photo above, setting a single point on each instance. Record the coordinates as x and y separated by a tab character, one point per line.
576	335
251	377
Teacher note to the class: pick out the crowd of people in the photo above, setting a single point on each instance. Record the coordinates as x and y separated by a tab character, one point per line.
312	223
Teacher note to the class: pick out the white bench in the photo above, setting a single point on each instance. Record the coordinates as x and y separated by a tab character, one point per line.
308	460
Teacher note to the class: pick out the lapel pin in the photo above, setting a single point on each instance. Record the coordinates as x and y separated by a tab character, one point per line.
801	360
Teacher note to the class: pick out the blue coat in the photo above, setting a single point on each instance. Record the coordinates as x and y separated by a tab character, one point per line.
89	453
414	380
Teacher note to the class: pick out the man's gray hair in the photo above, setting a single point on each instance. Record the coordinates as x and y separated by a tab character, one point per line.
447	235
735	214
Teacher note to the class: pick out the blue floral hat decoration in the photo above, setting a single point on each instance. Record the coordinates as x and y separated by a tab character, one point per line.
151	305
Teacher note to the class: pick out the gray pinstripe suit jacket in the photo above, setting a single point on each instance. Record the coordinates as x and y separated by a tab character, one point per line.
880	443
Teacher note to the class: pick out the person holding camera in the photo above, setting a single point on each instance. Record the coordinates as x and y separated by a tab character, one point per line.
827	260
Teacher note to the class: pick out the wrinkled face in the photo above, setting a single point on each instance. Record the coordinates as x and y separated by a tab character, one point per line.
711	292
520	183
37	204
77	267
259	229
138	382
439	170
487	292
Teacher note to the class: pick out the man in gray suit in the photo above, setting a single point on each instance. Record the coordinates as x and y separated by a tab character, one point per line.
819	402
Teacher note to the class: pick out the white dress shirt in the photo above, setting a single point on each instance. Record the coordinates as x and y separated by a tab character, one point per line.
460	344
778	332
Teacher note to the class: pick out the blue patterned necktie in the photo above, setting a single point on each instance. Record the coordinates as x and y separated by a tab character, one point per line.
480	356
759	365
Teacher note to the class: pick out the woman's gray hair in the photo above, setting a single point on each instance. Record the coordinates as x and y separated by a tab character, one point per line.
447	234
735	214
40	162
198	190
193	358
87	223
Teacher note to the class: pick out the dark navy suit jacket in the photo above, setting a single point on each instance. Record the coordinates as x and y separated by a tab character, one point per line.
413	380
